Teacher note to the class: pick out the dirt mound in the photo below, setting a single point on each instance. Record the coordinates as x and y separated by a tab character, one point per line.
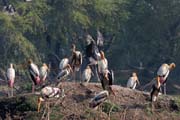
127	104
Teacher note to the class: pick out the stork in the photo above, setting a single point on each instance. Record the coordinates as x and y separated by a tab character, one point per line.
43	72
76	59
65	72
86	76
133	81
34	73
11	77
102	63
63	63
49	93
163	73
155	90
98	99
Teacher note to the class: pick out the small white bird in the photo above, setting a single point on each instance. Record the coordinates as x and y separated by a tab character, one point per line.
11	77
98	99
63	63
43	72
155	90
133	81
163	73
86	76
34	73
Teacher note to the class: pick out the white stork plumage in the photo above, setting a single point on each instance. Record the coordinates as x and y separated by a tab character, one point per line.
133	81
163	73
34	73
11	77
64	72
43	72
87	73
63	63
99	99
155	90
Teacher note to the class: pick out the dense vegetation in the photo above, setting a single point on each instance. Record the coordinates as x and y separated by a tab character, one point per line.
137	32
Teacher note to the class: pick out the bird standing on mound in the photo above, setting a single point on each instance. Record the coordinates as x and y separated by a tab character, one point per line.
43	72
86	76
11	77
65	72
63	63
133	81
163	73
34	73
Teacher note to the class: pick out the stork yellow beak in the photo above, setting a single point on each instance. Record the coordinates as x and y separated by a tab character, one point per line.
40	99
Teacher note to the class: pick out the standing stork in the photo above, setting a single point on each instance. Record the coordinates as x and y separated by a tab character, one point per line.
11	77
65	72
163	73
76	60
63	63
86	76
49	93
98	99
133	81
34	73
155	90
43	72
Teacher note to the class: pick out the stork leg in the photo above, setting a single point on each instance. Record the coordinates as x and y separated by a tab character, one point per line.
11	91
33	86
48	110
164	88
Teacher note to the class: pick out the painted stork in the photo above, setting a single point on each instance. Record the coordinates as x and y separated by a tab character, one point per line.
163	73
155	90
49	93
76	60
11	77
34	73
133	81
43	72
65	72
102	63
86	76
63	63
99	99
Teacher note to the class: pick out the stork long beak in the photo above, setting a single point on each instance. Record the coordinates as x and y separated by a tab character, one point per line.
40	99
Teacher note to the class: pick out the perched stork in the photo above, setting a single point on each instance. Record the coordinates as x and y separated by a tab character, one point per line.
49	93
63	63
163	73
133	81
155	90
86	76
34	73
43	72
102	63
11	77
99	99
76	60
65	72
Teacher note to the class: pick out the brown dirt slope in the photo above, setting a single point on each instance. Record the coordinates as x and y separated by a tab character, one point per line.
126	105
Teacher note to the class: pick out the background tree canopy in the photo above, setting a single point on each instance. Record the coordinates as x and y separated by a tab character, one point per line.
139	35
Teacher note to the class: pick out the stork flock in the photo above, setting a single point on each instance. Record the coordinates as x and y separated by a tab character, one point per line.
93	63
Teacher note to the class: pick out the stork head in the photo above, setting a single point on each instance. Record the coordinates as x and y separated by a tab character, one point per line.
30	61
102	54
172	66
134	74
45	65
11	65
73	47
